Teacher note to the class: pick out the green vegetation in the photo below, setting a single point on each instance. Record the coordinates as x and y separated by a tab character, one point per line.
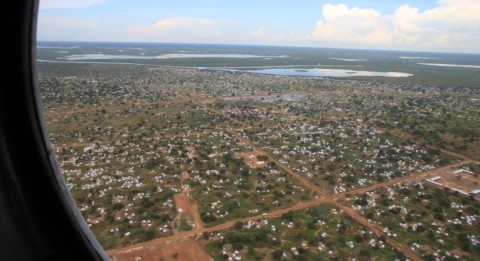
430	220
319	233
129	138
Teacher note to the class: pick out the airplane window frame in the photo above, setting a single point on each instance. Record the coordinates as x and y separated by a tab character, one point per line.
39	219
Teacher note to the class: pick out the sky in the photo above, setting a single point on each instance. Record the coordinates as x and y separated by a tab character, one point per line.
426	25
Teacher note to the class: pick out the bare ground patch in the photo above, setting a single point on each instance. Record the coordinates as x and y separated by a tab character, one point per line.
251	158
186	204
185	250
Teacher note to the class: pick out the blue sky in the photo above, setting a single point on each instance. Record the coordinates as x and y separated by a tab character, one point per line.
427	25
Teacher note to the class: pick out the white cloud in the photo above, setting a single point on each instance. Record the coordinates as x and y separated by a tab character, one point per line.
404	19
260	31
63	4
450	15
453	24
345	24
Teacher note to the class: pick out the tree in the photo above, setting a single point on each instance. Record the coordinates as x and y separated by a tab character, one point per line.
288	216
117	206
464	241
365	252
262	158
358	238
251	251
227	157
237	246
205	235
277	254
331	166
238	225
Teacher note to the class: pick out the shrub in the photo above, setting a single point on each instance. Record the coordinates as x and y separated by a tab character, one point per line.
277	254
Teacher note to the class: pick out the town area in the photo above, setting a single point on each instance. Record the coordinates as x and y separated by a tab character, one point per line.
193	164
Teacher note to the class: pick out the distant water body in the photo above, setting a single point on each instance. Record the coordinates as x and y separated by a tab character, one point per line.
320	72
451	65
80	57
456	69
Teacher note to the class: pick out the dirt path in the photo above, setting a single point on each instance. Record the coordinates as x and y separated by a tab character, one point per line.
228	224
199	101
302	205
297	176
411	177
375	229
220	114
163	247
292	173
324	198
332	198
450	153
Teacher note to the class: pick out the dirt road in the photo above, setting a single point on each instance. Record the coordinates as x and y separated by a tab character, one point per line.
450	153
221	114
411	177
292	173
325	197
231	223
375	229
332	199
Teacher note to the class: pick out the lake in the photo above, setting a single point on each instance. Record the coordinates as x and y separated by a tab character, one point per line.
319	72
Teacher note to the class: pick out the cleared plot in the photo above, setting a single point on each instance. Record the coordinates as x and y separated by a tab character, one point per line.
433	222
319	233
254	159
463	181
186	250
187	205
341	155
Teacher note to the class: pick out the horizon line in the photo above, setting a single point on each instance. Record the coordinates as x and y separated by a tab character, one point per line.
257	45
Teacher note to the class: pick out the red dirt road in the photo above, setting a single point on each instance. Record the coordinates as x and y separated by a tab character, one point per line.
163	240
411	177
375	229
325	197
292	173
